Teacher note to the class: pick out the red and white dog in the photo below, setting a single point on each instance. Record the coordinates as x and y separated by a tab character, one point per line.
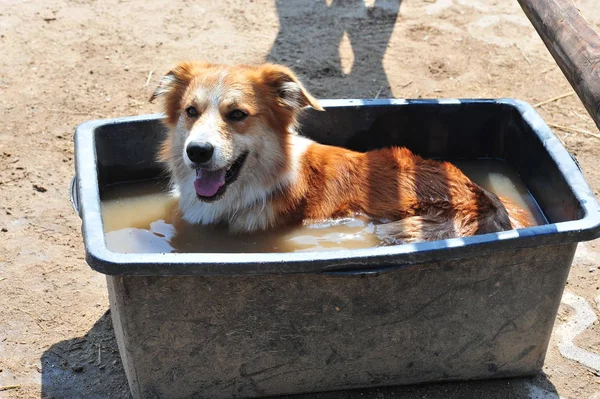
235	157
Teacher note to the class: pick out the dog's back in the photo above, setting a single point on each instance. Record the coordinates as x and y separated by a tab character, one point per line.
465	209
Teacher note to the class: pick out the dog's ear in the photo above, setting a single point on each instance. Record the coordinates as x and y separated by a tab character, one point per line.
175	79
165	85
172	87
287	87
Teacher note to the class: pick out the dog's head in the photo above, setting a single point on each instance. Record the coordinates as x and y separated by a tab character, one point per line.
228	123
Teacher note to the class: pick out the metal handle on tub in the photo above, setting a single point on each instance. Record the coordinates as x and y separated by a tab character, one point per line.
73	195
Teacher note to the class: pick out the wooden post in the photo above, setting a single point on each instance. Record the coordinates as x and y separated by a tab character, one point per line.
574	45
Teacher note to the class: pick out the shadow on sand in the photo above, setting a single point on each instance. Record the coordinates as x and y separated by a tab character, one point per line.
315	53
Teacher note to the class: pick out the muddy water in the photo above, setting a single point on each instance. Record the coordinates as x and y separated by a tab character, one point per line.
142	217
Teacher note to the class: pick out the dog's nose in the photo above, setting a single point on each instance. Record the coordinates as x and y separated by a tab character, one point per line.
200	152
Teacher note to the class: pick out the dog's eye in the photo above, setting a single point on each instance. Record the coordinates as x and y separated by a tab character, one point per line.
237	115
192	112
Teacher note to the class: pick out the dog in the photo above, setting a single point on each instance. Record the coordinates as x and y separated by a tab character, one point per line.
235	156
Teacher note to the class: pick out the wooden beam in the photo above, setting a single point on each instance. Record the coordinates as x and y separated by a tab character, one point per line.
574	45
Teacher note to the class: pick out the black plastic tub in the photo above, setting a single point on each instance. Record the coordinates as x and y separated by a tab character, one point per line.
248	325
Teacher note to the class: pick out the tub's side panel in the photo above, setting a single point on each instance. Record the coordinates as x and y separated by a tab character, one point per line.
266	335
128	151
548	184
121	319
426	127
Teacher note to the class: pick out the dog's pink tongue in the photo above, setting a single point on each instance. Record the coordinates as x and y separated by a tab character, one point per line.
208	182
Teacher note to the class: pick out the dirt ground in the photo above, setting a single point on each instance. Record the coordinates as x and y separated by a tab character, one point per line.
65	62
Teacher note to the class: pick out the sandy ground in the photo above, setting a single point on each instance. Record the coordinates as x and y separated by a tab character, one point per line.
65	62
